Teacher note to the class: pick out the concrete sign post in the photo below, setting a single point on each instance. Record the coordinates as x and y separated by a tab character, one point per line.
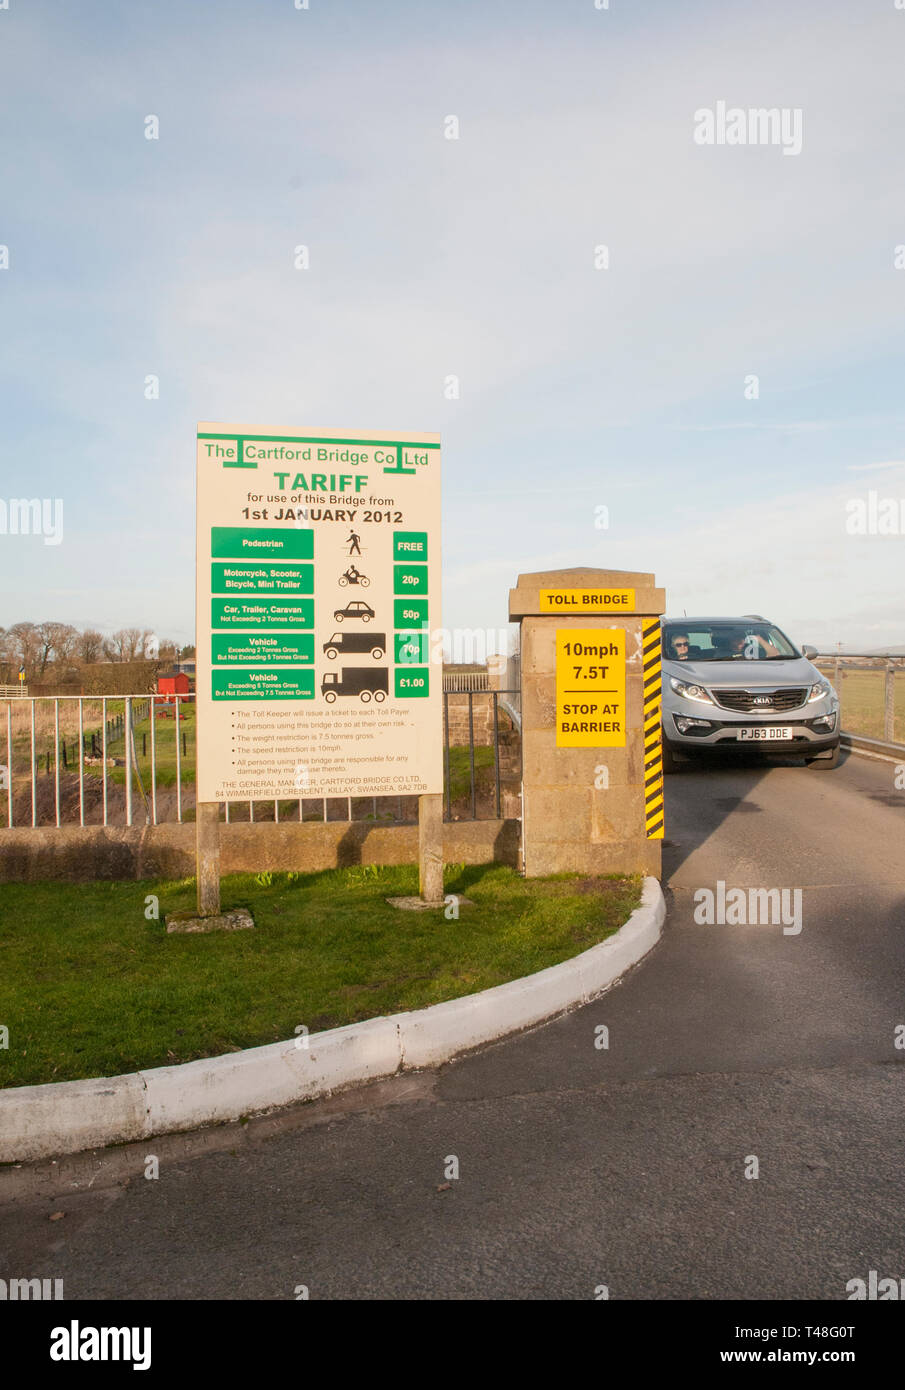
318	583
592	788
207	857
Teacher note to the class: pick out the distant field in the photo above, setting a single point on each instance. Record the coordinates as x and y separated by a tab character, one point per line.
862	694
165	749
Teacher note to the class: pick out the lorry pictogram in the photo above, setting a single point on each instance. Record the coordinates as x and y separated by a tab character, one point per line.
364	681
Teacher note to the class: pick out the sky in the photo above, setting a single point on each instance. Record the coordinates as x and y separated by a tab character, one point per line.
585	394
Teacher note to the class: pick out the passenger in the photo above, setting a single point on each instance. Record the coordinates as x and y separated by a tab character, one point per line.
680	646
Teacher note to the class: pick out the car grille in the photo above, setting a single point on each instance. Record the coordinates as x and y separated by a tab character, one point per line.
762	701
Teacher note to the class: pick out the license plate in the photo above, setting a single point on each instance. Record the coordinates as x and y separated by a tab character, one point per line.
767	734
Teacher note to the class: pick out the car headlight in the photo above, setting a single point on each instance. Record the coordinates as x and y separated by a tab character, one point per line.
818	691
684	722
691	692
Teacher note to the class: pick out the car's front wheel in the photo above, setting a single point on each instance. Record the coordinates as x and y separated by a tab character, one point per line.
670	762
824	761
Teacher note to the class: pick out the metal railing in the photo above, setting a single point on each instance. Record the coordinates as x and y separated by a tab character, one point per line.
130	760
463	681
453	775
67	737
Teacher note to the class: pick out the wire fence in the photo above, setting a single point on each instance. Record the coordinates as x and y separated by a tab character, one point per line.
871	693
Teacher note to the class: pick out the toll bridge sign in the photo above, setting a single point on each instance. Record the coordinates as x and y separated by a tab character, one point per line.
318	584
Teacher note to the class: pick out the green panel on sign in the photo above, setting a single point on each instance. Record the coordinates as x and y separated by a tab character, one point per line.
262	685
410	579
265	578
285	613
409	612
260	543
252	650
411	647
412	682
409	545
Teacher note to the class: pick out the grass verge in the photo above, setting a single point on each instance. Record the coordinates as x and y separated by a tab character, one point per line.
91	987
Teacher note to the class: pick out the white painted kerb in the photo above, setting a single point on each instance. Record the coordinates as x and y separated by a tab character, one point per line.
67	1116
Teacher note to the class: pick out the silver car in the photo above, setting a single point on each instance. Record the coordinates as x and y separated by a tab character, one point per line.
738	683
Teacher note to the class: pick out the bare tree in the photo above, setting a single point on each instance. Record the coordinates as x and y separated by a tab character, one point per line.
89	646
8	664
26	646
59	639
126	643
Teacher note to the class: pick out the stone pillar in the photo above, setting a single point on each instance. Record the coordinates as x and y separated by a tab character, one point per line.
591	809
496	670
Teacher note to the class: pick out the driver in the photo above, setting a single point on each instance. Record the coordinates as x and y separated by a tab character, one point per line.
680	646
351	572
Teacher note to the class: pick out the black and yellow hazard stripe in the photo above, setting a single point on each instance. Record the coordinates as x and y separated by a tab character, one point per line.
653	754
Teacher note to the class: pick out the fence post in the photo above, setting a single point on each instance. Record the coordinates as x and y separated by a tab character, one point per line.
890	703
127	732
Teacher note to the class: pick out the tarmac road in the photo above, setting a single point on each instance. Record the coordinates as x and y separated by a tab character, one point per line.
578	1166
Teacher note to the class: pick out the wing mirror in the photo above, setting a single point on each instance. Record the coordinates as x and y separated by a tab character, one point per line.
809	652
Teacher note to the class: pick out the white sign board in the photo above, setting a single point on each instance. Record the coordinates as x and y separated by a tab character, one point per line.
318	583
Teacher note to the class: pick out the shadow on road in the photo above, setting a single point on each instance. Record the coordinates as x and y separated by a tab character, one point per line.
709	788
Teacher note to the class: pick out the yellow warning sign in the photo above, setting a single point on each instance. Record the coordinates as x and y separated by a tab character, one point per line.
590	687
587	600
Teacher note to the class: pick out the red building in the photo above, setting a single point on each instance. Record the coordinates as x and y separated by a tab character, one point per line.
171	684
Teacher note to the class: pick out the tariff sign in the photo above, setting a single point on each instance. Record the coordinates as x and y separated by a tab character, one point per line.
318	586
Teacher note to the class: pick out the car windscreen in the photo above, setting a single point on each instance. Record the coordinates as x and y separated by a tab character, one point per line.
726	641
